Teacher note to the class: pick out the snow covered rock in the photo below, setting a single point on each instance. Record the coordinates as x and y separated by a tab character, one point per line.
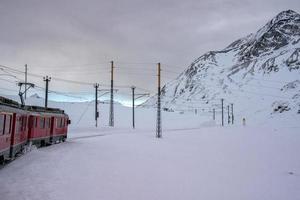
253	72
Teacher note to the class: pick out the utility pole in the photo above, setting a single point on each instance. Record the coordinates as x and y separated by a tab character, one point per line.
25	81
96	85
214	114
232	118
111	108
133	98
222	101
158	123
228	116
47	80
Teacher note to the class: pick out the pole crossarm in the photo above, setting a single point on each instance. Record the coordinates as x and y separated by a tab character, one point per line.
20	84
105	93
115	90
141	95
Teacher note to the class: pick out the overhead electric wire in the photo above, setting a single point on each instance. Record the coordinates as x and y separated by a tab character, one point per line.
70	81
263	94
102	64
273	81
9	89
61	93
83	113
9	81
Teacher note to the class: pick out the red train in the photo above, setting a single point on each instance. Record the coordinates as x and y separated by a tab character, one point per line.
22	126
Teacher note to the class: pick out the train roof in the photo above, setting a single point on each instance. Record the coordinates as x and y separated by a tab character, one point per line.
14	104
43	109
9	102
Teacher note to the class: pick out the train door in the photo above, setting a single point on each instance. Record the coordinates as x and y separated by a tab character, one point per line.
6	121
52	124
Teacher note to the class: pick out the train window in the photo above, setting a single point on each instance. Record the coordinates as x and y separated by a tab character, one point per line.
59	122
1	124
36	122
19	124
47	123
42	123
24	123
7	124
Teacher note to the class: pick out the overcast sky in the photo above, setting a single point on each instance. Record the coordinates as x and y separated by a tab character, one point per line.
59	37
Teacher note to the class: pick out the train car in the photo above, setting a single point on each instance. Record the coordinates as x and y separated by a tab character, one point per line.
59	128
13	128
26	125
47	125
19	137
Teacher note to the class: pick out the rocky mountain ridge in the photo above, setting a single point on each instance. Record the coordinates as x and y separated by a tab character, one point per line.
261	68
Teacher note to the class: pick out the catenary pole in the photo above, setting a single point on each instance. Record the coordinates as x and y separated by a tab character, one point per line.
158	123
232	118
47	80
133	98
222	102
228	115
96	85
26	80
111	107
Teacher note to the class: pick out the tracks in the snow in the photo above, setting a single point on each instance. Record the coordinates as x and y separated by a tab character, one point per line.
87	136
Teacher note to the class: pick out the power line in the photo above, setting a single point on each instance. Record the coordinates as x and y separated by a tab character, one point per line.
262	94
72	81
273	81
9	81
8	89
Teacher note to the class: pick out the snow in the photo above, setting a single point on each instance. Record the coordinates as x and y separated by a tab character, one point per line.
207	163
195	159
247	74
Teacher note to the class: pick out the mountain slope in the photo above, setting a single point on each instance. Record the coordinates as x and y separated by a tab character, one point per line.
259	73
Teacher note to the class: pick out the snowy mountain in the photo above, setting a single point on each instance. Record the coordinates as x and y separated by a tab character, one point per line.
258	74
35	96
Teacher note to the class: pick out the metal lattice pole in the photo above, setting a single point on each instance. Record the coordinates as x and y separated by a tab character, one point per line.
228	115
158	123
26	81
133	98
111	108
96	103
222	102
232	118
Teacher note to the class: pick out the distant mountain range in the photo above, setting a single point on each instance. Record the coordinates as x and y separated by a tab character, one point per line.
259	73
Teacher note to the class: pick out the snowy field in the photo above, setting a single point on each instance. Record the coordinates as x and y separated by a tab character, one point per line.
206	163
195	159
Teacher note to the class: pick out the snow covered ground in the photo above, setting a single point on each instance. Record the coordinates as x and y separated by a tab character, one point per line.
206	163
195	159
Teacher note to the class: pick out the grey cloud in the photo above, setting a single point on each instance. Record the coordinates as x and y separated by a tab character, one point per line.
61	32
